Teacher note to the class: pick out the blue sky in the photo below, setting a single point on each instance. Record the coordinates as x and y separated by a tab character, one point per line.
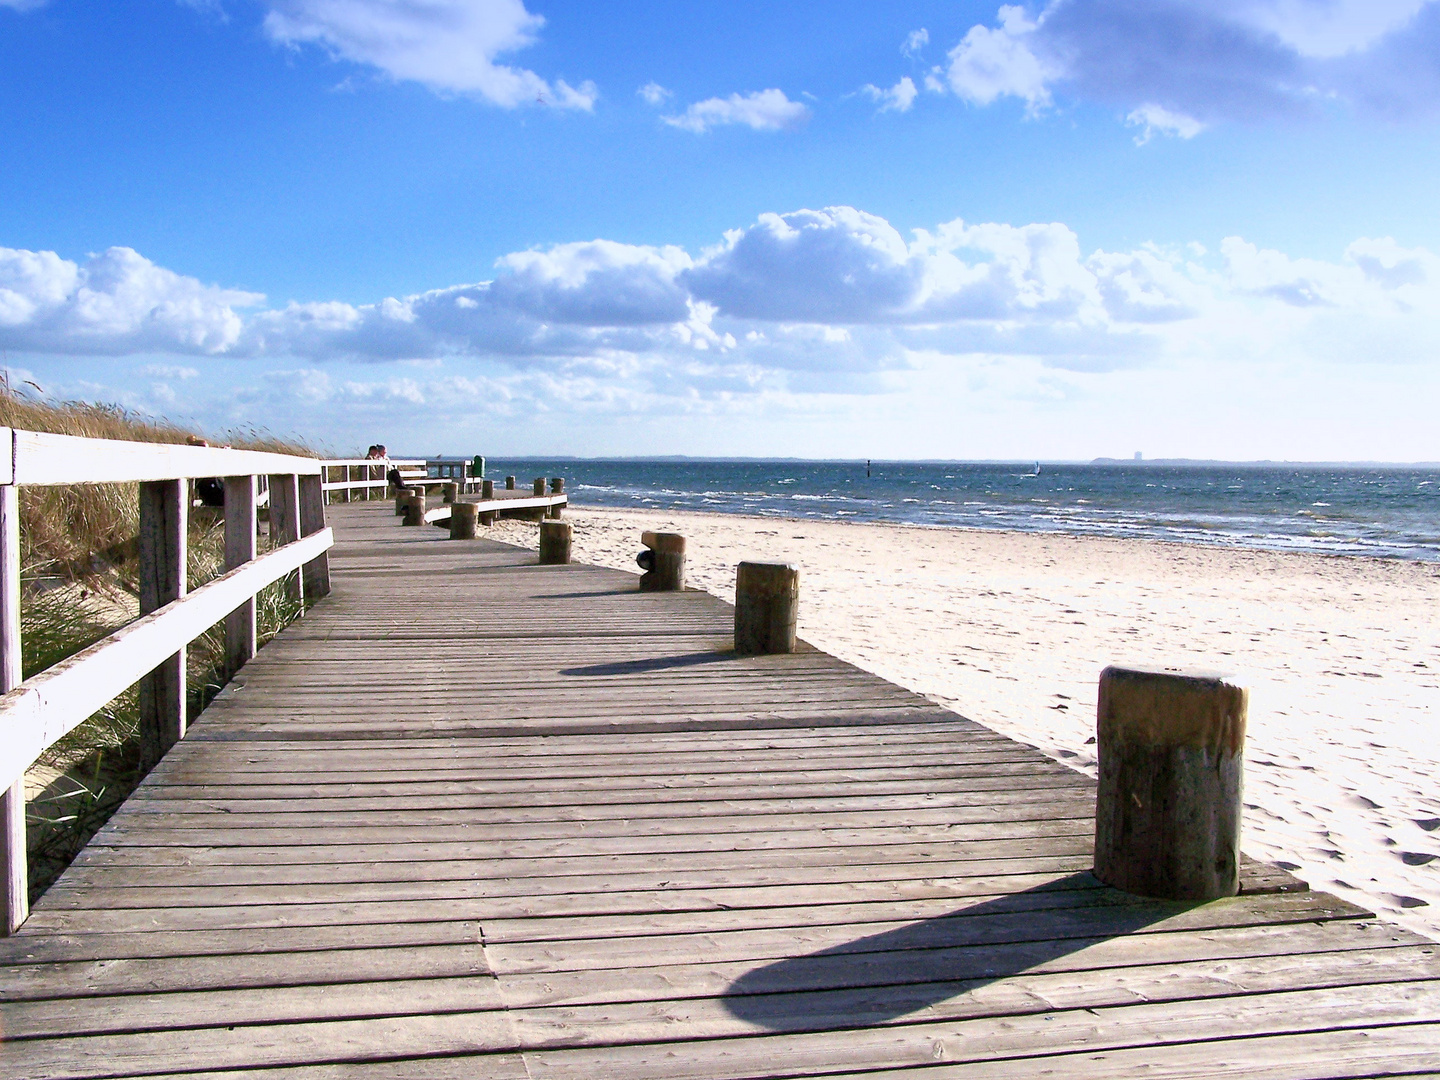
1060	230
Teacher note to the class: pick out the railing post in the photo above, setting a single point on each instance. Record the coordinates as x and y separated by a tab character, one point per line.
285	524
1171	748
663	561
239	550
462	521
316	572
163	525
555	539
767	595
16	886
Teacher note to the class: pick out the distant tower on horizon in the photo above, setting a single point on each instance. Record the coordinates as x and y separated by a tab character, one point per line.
1139	456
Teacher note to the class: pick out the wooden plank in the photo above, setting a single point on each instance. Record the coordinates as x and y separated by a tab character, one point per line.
1158	1028
624	857
261	1045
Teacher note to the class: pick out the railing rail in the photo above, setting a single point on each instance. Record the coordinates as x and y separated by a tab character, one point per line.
348	477
151	649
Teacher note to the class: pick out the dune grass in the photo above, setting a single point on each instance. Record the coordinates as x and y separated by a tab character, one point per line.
78	584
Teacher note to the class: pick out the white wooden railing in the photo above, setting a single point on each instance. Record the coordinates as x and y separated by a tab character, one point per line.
151	649
363	478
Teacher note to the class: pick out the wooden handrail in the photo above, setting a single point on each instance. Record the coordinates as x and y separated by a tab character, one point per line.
150	649
36	458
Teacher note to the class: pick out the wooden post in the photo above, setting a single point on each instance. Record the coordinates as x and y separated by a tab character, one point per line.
462	521
415	509
767	596
164	506
15	889
239	549
557	487
401	494
538	487
285	524
509	483
487	489
1167	811
663	561
554	543
449	492
316	572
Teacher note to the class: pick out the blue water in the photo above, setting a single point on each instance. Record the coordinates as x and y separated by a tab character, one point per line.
1388	512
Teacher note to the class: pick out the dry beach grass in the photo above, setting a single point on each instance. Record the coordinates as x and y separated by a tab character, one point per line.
1342	656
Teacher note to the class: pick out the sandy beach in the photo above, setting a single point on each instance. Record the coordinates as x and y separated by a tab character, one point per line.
1341	655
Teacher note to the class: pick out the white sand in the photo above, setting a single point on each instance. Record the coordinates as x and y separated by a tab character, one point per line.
1342	657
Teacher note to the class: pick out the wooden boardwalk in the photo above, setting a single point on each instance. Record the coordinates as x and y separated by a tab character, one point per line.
474	818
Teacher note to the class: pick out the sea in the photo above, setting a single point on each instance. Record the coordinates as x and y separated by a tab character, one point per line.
1382	511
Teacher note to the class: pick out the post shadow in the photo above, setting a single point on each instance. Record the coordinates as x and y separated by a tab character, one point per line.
877	979
657	663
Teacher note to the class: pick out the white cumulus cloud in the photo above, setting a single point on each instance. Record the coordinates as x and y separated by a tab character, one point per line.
763	110
995	62
1177	66
1155	120
898	98
830	300
116	302
654	94
447	45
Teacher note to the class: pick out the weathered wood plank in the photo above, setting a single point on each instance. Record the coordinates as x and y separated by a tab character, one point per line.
627	853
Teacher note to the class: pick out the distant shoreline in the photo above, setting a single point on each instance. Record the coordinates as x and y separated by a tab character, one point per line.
997	530
1204	463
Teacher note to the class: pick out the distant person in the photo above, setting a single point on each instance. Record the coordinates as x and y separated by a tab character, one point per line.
392	474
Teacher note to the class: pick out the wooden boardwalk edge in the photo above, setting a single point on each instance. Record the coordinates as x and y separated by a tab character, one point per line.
477	818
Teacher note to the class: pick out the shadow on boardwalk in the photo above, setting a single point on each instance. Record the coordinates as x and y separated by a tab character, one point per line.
880	978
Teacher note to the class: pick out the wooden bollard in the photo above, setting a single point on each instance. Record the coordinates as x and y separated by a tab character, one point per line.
415	509
663	561
509	483
449	492
462	520
401	494
1167	813
767	597
554	543
487	489
557	487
